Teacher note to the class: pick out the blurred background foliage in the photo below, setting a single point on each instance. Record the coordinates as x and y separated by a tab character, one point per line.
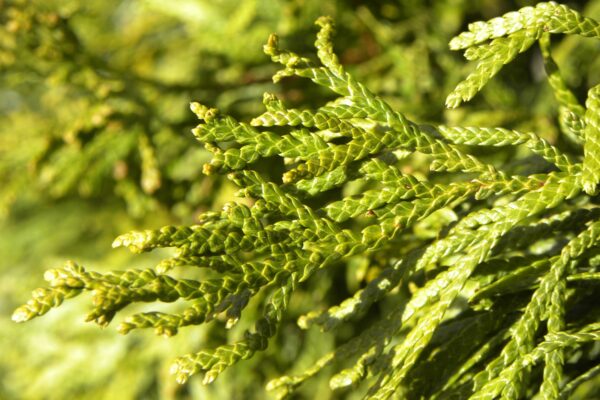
95	141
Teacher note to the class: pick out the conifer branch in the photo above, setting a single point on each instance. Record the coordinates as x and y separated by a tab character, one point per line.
483	272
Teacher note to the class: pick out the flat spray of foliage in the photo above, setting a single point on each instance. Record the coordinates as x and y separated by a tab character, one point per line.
498	303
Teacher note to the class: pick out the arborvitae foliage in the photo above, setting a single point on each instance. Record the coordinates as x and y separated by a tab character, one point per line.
101	101
482	270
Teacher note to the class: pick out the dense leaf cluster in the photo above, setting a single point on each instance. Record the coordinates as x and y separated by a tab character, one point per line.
487	269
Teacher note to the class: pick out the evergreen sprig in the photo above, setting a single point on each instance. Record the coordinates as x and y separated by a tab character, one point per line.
504	269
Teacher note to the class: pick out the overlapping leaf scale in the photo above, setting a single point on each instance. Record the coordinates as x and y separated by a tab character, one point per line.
551	16
510	35
571	122
395	187
405	355
168	236
295	117
222	238
341	242
558	187
278	115
277	198
493	57
484	136
571	112
73	279
43	300
255	144
76	276
299	143
324	44
168	289
450	158
345	107
504	367
329	180
449	283
113	291
221	263
553	369
509	23
389	278
213	362
591	148
230	293
554	342
563	19
322	241
365	142
239	230
407	135
200	311
332	156
393	218
421	300
558	340
217	127
405	213
510	46
168	324
396	131
552	154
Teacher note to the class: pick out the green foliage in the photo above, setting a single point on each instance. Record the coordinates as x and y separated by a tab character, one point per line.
83	83
479	245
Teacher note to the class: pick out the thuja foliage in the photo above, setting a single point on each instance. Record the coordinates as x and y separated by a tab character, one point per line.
100	98
64	180
483	270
